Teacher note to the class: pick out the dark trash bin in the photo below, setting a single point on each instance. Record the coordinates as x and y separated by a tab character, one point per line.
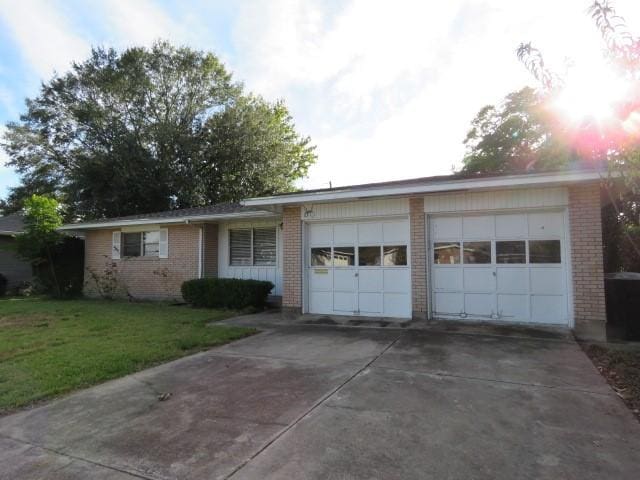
622	292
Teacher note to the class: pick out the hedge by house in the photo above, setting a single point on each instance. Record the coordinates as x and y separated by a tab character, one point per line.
226	292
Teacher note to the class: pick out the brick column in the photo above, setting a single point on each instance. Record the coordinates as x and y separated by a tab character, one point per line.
292	261
418	258
587	261
210	250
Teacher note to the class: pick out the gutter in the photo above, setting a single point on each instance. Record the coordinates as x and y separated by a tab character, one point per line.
513	181
166	221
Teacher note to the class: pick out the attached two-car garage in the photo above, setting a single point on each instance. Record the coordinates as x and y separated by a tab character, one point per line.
508	267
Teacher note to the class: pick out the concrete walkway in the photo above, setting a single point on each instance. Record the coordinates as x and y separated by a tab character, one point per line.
316	402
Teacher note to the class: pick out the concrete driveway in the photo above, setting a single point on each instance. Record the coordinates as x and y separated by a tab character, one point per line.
339	403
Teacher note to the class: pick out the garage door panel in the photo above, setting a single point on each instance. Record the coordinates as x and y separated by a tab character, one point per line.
519	288
321	279
370	303
446	227
478	227
344	279
321	302
344	301
445	278
320	235
369	234
448	303
512	226
479	304
344	234
370	280
395	232
513	307
397	280
479	280
512	280
547	280
544	224
397	305
548	309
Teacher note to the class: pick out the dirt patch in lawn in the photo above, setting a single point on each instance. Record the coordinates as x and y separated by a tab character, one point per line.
620	365
28	320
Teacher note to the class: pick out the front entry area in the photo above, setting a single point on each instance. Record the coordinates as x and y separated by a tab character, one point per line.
507	267
359	268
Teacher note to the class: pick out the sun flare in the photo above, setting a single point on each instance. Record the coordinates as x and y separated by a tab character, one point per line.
591	93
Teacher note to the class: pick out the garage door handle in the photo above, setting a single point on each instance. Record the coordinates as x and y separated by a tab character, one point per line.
494	274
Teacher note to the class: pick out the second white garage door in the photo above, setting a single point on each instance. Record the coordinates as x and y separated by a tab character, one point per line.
509	267
359	268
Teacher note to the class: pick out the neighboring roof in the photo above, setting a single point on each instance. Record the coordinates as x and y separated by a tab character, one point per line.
210	212
11	224
426	185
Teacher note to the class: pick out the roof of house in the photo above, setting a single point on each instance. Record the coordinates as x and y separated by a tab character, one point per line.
209	212
259	206
11	224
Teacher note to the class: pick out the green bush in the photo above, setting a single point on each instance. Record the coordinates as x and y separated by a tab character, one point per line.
226	292
3	285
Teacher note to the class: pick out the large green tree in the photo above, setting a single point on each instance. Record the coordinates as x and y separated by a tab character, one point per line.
519	135
151	129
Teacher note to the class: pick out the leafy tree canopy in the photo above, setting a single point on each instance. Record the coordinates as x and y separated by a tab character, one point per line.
517	136
151	129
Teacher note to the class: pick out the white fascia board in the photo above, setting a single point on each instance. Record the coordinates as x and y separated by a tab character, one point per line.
513	181
166	221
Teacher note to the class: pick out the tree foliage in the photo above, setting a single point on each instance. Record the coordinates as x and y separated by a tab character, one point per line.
151	129
514	137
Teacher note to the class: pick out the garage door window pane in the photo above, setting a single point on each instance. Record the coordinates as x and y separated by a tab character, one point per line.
344	256
544	251
369	256
395	255
476	252
321	257
446	253
511	252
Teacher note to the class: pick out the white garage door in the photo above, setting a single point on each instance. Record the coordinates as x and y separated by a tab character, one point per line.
509	267
359	268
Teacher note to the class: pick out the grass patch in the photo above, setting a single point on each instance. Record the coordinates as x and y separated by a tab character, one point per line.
620	365
50	347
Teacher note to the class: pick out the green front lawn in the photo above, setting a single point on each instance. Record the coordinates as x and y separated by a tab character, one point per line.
50	347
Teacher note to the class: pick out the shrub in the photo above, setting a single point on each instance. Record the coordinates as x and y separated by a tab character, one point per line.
3	285
226	292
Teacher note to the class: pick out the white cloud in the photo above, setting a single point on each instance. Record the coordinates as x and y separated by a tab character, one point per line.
140	22
44	35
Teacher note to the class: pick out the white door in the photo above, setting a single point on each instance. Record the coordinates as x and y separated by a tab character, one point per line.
359	268
507	267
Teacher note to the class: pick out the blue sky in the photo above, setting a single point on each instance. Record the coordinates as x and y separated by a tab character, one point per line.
385	89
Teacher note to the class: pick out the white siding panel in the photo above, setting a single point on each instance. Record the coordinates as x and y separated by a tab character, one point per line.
356	210
497	200
254	272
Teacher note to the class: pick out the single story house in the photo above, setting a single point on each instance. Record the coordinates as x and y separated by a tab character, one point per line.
515	248
15	269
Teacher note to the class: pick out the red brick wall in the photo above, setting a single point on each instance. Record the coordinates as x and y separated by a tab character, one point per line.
292	261
142	277
418	257
210	250
586	258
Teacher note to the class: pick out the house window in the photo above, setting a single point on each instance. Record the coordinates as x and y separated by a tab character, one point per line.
137	244
252	246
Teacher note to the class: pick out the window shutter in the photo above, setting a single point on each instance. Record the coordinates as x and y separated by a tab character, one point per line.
240	246
115	245
264	246
163	247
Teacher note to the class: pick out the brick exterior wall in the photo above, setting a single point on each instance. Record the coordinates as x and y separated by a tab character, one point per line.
142	277
210	250
418	257
587	260
292	261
